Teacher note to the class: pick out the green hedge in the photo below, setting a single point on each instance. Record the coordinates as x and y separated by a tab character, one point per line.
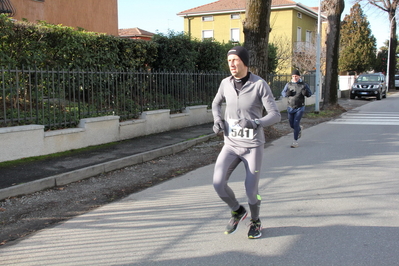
43	45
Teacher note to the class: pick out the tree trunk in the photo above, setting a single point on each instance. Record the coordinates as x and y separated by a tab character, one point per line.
256	35
392	51
334	11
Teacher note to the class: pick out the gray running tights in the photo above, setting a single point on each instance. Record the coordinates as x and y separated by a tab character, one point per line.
228	160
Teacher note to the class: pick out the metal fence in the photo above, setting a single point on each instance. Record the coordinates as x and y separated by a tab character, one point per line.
59	99
277	82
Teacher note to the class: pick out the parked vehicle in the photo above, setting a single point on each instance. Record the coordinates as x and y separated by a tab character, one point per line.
397	82
369	85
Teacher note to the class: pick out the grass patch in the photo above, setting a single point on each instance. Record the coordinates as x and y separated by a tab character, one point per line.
54	155
195	138
332	111
324	113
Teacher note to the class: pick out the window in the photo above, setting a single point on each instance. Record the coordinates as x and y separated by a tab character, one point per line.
235	16
308	36
38	0
235	35
207	18
299	34
299	15
207	34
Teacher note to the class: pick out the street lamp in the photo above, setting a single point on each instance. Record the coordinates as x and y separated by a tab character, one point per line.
389	50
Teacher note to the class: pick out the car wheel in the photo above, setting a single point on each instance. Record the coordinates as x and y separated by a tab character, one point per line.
379	95
385	94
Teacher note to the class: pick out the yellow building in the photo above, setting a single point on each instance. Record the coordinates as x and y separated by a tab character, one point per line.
293	26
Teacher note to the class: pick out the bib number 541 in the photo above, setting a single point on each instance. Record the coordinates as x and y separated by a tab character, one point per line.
242	133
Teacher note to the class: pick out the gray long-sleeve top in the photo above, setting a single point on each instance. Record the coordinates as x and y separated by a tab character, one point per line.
248	104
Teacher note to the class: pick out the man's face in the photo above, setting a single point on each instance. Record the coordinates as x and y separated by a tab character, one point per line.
237	67
295	78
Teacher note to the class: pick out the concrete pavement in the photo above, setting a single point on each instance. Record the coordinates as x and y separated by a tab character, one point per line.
332	201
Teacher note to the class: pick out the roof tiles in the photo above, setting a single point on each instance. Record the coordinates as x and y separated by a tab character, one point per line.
134	32
229	5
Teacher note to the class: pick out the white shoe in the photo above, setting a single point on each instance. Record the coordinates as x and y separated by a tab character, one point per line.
294	144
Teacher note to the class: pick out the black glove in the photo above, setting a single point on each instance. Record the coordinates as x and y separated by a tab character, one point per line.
290	93
218	126
245	123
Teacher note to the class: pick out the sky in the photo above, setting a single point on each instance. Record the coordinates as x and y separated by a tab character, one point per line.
159	16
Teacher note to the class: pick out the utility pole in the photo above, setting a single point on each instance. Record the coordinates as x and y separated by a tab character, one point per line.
318	71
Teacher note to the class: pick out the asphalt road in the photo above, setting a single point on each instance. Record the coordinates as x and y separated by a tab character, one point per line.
332	201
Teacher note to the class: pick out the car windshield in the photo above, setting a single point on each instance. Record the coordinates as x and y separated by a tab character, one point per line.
368	78
396	77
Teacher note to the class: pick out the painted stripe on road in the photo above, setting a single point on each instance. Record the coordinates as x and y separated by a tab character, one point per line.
381	118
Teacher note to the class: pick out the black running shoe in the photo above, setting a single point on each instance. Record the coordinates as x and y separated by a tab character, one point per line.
236	217
255	229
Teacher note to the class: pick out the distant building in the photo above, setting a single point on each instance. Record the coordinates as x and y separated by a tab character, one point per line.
92	15
293	25
136	33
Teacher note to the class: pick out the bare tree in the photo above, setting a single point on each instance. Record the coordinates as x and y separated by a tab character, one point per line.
306	61
303	59
284	53
256	34
334	9
390	7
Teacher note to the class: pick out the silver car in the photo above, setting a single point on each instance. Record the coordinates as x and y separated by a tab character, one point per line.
397	82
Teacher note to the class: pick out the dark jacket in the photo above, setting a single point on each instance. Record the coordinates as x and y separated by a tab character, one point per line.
296	93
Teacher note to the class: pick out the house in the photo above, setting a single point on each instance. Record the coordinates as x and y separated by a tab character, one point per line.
136	33
92	15
293	26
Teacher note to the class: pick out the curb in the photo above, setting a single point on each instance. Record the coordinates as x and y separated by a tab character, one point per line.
76	175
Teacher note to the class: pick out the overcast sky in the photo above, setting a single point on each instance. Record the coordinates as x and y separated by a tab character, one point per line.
158	16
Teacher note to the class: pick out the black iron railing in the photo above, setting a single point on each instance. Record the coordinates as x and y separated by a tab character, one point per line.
59	99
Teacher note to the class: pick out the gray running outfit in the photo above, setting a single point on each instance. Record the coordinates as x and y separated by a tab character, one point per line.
243	144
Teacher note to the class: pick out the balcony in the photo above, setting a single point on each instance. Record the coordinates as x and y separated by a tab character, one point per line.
7	8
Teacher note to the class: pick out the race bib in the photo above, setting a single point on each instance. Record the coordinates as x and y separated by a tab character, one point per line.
237	132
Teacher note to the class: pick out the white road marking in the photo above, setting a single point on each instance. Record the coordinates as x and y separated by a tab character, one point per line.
380	118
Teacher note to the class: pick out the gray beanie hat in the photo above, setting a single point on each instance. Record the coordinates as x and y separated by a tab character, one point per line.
241	52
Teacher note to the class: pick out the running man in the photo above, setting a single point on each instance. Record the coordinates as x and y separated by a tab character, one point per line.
296	90
245	94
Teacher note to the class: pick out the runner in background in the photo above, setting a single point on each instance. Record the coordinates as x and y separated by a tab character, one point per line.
296	90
